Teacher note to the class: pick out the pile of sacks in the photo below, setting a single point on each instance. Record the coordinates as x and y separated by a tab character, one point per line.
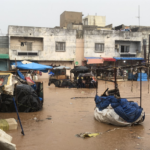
118	112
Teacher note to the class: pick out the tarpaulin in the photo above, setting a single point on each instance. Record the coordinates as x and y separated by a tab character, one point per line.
20	75
61	67
108	59
32	66
128	58
129	111
94	60
81	69
26	98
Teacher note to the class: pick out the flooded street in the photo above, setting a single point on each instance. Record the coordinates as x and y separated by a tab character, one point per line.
73	116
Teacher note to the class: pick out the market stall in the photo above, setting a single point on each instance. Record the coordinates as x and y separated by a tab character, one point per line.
58	77
86	80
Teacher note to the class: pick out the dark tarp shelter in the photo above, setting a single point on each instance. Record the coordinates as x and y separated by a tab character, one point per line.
80	69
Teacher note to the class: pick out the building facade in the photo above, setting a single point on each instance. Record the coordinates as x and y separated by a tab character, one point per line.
48	46
94	20
68	17
4	53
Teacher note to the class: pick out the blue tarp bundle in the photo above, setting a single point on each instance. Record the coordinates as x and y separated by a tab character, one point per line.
33	66
129	111
132	77
144	77
51	73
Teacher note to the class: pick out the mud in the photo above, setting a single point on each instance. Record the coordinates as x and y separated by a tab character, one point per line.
73	116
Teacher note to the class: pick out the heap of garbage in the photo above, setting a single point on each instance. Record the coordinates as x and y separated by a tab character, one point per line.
27	93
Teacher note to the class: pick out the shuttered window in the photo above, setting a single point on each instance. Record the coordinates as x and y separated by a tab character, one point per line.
99	47
29	46
60	46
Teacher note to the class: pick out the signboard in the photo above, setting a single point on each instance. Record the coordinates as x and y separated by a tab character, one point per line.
76	63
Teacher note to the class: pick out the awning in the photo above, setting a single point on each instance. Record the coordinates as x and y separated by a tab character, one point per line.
128	58
108	59
94	60
4	56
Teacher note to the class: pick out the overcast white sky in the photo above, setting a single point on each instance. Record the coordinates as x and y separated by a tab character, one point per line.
46	13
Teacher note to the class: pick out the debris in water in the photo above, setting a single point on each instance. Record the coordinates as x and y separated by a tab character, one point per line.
140	137
38	120
87	134
49	118
35	118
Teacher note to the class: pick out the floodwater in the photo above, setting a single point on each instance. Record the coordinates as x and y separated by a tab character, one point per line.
74	116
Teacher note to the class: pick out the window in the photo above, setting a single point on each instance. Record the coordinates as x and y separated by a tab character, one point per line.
60	46
29	46
99	47
125	49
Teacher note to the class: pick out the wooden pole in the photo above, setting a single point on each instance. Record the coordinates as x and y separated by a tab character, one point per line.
140	88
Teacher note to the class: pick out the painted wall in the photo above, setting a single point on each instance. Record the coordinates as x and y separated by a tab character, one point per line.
4	45
95	20
70	17
108	38
79	51
50	36
4	50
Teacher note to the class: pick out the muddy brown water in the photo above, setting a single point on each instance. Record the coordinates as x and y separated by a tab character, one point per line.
74	116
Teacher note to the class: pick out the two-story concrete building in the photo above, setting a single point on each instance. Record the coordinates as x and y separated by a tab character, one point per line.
47	46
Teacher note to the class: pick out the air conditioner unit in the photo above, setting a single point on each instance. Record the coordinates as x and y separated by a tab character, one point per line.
27	53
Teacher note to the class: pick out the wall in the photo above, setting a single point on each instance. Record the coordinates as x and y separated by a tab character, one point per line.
4	45
15	43
71	26
70	17
108	38
79	51
50	36
95	20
